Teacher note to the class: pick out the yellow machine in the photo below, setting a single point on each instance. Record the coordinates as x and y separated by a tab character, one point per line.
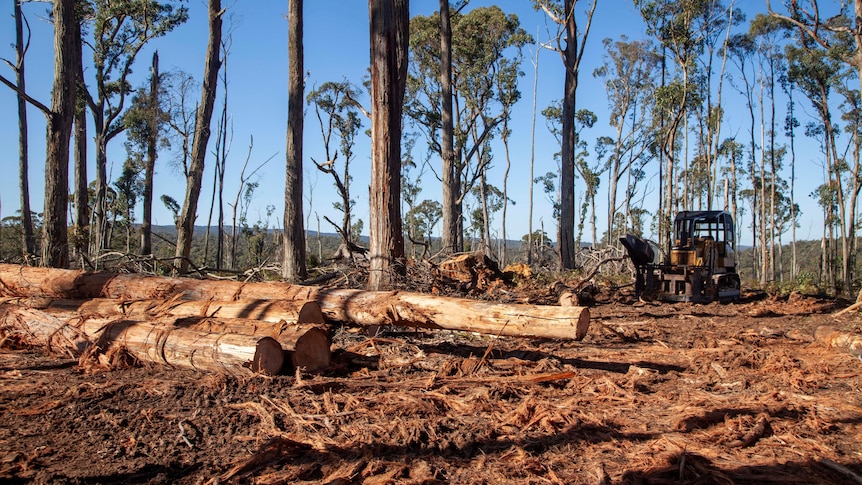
700	265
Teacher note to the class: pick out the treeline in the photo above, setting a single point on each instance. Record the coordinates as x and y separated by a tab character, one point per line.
440	97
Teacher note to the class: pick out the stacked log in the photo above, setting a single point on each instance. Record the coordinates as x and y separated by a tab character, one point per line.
349	306
172	334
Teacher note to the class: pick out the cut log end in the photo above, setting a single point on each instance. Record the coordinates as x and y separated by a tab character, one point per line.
312	351
268	357
311	313
583	325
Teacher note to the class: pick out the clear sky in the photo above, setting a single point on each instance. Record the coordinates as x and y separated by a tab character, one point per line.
336	48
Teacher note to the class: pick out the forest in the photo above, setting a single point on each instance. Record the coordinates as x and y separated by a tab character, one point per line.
718	105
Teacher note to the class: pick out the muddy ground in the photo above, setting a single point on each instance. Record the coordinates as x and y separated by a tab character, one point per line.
656	393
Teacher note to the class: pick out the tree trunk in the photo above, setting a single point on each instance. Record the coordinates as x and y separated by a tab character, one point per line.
82	191
186	222
447	134
389	24
154	119
566	230
28	240
55	237
293	266
343	305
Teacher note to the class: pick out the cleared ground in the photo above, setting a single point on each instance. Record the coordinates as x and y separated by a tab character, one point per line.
656	393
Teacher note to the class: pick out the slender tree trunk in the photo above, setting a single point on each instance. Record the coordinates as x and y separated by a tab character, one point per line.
792	135
82	191
505	138
28	239
389	24
150	168
532	153
447	137
293	263
186	223
55	237
566	230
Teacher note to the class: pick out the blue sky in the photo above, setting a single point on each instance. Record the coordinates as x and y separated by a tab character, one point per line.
336	48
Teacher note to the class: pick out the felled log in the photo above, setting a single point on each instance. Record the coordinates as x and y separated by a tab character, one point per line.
832	338
255	310
343	305
204	343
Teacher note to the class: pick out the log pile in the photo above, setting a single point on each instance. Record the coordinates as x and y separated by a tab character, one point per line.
347	306
168	334
230	326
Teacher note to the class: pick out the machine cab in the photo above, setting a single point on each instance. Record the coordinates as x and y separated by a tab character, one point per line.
703	238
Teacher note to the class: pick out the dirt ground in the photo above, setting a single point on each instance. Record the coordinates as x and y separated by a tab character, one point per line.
656	393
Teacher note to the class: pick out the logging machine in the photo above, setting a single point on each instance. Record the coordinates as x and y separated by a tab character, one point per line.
699	266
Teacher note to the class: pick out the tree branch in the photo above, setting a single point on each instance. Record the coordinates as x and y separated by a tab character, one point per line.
34	102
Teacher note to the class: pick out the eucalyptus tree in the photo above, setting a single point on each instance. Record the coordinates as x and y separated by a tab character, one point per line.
575	39
630	74
742	51
339	117
389	26
837	32
486	45
194	175
591	175
711	24
816	74
768	33
145	122
22	43
673	24
55	235
293	265
120	30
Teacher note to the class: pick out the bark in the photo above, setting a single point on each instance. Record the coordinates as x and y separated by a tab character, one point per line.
447	134
389	35
55	237
293	262
850	343
343	305
566	237
82	193
28	238
186	222
216	344
152	153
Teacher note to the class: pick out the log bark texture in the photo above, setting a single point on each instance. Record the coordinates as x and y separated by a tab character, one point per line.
228	345
343	305
835	339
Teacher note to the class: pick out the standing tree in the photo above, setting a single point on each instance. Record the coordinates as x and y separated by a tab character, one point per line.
293	266
186	219
120	30
447	134
338	115
55	236
81	198
482	61
389	26
144	122
629	73
572	53
28	242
